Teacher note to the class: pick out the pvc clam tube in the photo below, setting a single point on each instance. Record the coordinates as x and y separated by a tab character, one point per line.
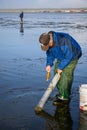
47	93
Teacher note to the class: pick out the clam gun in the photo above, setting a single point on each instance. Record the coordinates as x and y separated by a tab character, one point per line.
47	93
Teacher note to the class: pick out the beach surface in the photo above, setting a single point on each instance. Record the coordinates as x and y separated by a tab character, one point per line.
22	71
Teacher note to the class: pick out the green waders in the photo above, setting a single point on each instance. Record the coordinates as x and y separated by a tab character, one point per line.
65	82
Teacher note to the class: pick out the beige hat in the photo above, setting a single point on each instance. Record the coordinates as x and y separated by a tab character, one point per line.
44	40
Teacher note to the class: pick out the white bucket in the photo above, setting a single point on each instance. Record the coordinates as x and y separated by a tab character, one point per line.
83	96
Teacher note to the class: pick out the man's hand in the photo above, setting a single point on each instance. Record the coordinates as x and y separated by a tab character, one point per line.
48	68
59	71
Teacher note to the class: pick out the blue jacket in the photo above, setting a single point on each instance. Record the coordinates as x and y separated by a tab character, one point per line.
65	50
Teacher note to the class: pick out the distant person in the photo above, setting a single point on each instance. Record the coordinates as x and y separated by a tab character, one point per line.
21	16
65	49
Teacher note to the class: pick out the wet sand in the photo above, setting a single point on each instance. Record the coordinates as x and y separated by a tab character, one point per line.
22	73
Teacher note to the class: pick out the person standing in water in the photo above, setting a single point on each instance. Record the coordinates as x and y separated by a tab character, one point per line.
21	17
66	50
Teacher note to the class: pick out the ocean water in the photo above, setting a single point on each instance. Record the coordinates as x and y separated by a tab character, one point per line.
22	71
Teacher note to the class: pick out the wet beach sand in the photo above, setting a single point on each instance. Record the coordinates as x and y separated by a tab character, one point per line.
22	71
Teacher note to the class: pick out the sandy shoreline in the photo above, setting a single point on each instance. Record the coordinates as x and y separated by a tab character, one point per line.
79	10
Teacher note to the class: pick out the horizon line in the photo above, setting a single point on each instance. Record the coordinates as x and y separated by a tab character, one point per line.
44	10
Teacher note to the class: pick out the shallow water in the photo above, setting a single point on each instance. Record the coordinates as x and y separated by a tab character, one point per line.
22	71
